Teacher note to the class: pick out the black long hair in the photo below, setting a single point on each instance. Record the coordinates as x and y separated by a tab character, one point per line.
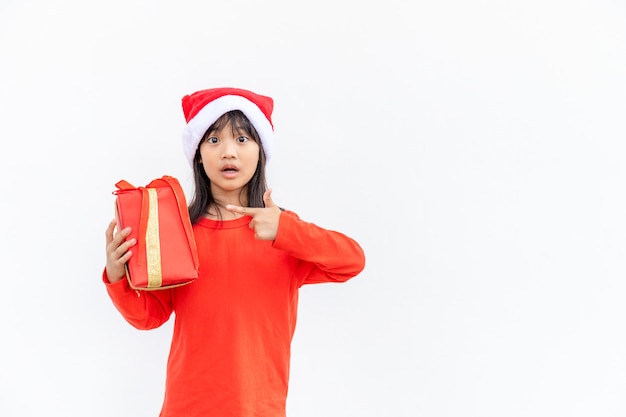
202	198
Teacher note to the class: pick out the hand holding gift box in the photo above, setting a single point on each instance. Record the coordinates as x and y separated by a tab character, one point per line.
165	255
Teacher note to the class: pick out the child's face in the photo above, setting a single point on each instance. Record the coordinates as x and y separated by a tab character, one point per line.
229	158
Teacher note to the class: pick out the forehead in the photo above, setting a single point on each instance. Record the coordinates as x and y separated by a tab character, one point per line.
235	121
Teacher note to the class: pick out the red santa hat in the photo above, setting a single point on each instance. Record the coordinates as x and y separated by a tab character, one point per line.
204	107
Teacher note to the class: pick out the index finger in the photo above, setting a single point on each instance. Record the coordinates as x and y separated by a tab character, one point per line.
110	230
248	211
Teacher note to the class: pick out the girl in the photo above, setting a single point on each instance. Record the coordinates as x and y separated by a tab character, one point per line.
230	351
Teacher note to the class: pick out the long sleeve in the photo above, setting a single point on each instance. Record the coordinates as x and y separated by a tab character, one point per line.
142	309
327	255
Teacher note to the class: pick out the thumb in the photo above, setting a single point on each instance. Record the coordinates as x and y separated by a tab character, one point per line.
267	199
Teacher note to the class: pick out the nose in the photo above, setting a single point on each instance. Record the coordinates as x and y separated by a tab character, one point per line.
229	149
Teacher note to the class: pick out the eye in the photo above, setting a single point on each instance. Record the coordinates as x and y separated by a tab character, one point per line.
242	139
212	139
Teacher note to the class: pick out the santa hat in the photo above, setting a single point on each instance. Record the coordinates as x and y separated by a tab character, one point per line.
204	107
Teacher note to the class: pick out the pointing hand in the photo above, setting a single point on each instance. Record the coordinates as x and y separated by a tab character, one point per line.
264	220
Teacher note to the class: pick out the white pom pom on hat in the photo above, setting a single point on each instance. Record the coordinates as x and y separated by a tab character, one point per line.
204	107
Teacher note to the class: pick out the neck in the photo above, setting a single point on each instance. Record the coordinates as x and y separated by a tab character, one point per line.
237	197
218	211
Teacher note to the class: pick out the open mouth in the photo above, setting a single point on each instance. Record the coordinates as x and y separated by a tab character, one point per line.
230	171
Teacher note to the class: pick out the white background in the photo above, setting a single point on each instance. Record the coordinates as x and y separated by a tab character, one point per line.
474	149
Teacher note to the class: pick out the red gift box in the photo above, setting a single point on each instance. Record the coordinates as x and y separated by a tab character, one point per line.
165	255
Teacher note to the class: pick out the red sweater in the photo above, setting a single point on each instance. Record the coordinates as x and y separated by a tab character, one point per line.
233	326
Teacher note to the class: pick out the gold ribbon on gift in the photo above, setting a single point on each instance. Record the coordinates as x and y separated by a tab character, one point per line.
153	244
